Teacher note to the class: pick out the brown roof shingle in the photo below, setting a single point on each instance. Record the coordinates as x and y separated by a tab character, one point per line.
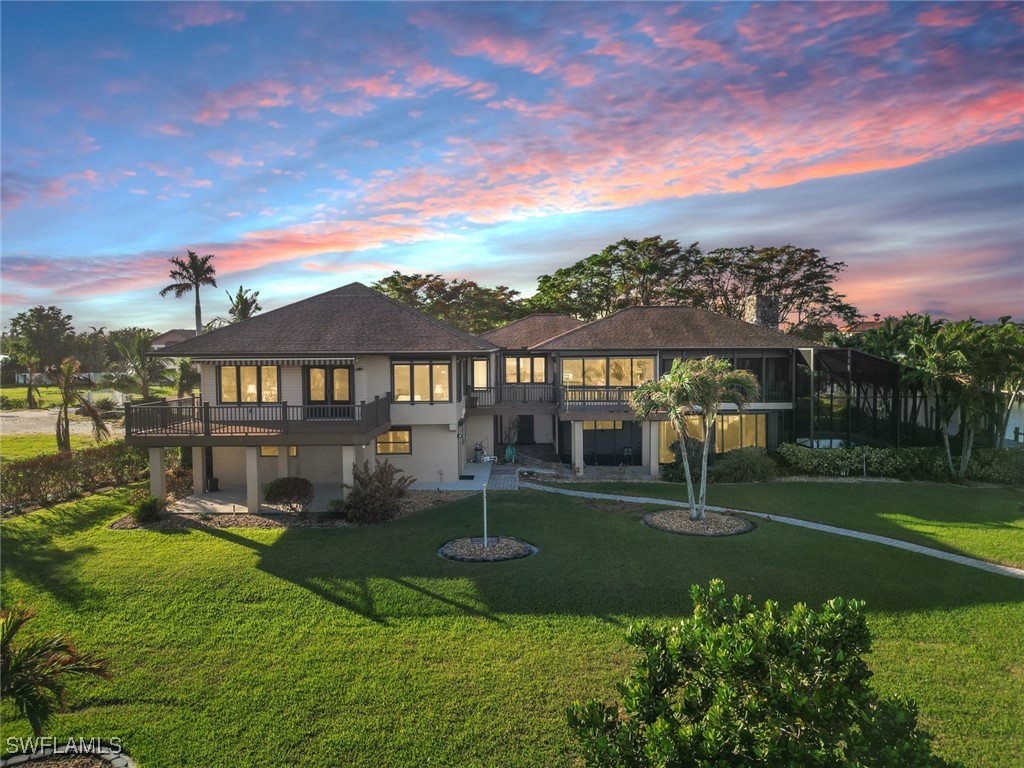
531	330
652	328
352	319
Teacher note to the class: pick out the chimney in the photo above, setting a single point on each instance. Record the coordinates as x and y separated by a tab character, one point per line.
762	310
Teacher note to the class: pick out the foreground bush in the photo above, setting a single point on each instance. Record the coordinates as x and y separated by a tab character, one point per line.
987	465
45	480
375	494
745	465
296	493
147	509
739	685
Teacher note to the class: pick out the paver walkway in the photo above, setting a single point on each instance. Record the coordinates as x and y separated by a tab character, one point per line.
504	478
1003	570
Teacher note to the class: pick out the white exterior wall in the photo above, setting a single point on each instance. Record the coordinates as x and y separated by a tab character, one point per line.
434	448
478	429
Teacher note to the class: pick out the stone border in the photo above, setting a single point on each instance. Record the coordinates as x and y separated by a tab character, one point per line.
513	549
747	525
105	753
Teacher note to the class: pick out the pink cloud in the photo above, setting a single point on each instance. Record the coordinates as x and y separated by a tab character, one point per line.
944	17
244	100
182	16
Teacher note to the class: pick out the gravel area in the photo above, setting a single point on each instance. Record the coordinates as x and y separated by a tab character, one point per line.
472	550
415	501
713	524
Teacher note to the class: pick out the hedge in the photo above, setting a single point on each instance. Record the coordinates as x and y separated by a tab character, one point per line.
46	480
986	465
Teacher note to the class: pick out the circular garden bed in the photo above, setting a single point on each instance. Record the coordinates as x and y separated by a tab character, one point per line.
498	548
714	523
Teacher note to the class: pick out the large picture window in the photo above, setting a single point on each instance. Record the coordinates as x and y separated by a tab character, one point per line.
526	370
329	385
607	371
396	442
249	384
421	382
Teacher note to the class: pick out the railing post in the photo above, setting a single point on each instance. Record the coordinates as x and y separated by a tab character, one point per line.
128	419
206	419
284	418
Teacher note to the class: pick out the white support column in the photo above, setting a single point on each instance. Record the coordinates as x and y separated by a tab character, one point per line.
283	469
654	447
198	470
157	473
252	479
348	457
577	446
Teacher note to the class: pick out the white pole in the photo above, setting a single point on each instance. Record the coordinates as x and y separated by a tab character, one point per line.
485	516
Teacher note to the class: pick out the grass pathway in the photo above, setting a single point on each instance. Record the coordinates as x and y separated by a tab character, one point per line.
971	562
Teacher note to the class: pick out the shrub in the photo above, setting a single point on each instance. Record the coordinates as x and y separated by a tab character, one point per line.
375	494
45	480
12	403
147	509
296	493
745	465
990	466
674	473
739	685
105	404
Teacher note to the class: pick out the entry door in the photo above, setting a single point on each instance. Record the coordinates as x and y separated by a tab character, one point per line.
524	430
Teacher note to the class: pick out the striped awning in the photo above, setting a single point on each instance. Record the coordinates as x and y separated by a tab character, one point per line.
276	360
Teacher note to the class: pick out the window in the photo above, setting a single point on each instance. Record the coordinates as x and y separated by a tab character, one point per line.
396	442
428	382
329	385
480	373
607	371
591	425
526	370
269	451
249	384
572	372
731	431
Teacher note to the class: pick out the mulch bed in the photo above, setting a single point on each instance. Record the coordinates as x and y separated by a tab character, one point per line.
713	524
414	502
499	548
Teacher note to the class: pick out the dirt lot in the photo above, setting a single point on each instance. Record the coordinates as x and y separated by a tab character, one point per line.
43	422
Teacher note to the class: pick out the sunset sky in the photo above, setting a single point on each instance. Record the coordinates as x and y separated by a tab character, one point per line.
308	145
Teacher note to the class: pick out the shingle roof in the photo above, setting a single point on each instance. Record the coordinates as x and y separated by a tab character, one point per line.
668	328
531	330
173	336
352	319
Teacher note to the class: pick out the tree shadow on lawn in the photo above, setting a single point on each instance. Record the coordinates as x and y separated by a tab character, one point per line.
602	563
31	553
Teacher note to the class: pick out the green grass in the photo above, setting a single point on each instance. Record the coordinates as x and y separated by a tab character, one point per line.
51	395
17	447
986	523
361	647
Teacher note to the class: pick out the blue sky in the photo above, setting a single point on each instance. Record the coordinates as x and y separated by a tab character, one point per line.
309	145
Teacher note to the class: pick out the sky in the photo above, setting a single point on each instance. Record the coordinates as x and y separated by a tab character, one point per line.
309	145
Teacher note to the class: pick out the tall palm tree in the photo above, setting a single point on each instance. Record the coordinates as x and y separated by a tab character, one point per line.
70	385
695	388
188	276
186	377
32	673
244	304
136	370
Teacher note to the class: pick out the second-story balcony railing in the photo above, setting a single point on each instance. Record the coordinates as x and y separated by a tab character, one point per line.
608	399
513	395
190	417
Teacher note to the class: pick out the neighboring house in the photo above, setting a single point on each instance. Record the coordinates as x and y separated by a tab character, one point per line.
173	336
351	375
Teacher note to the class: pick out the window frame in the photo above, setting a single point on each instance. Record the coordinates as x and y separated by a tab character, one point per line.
476	386
530	369
378	451
429	363
265	451
238	386
607	361
329	398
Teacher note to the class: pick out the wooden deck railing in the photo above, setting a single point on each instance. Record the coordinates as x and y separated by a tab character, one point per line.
190	417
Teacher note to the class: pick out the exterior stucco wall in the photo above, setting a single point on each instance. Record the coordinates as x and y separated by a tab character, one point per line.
434	448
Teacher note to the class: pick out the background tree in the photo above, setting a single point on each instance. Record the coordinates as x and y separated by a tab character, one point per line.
70	385
462	303
39	337
32	672
186	377
135	369
90	349
244	304
188	275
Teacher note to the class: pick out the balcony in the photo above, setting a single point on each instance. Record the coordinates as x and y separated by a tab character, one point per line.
596	399
513	395
190	422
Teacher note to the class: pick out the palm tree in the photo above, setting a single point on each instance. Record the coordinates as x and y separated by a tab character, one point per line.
695	388
32	674
65	377
188	276
244	304
137	370
186	377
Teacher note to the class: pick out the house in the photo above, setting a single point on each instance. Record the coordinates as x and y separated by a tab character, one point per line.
173	336
351	375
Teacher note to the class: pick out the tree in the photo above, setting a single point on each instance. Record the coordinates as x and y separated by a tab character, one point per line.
32	673
135	369
189	276
40	337
695	388
740	685
186	377
462	303
244	304
70	385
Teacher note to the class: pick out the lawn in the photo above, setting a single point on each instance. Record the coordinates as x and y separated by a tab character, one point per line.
51	395
986	523
17	447
361	647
